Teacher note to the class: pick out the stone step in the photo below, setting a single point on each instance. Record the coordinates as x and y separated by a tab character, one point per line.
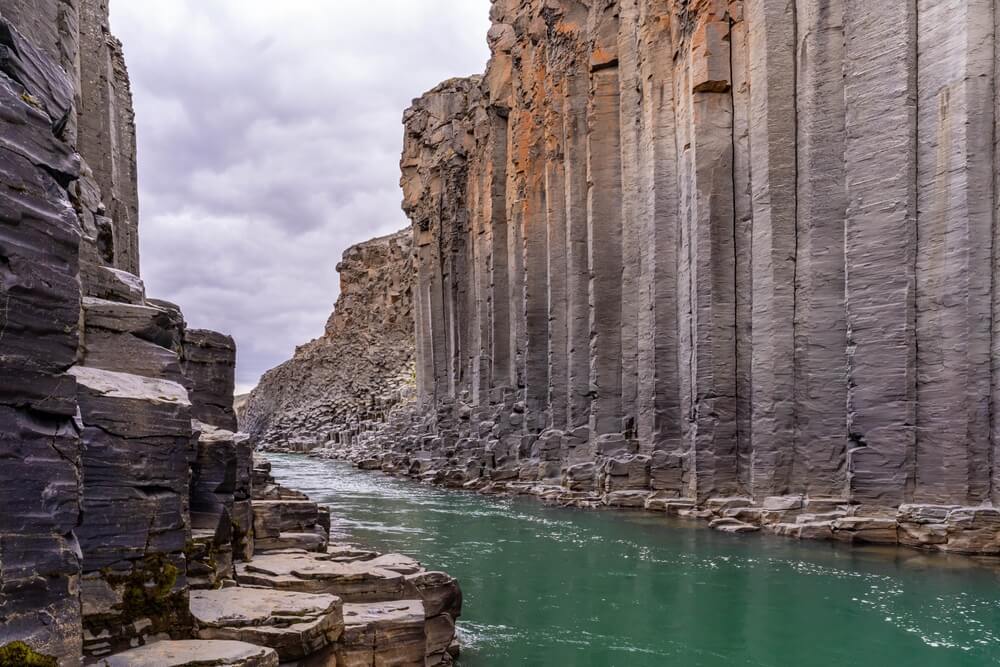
383	633
296	625
308	573
314	542
276	516
194	653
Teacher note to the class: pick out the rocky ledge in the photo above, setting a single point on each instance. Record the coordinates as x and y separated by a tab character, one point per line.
294	598
317	602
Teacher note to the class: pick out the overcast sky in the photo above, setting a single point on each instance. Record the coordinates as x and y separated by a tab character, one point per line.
269	140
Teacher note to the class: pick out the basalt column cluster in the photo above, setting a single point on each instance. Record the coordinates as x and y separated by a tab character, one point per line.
114	503
715	249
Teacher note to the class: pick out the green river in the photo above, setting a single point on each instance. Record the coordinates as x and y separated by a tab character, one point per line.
564	587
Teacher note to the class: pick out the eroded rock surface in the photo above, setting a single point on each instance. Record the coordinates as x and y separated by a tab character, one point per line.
296	625
347	381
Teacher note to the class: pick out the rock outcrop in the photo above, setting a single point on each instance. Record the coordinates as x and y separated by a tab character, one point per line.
683	252
100	384
347	381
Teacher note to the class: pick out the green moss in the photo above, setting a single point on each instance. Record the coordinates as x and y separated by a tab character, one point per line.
19	654
27	98
147	593
148	589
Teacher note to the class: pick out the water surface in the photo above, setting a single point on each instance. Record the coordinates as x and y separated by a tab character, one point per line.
563	587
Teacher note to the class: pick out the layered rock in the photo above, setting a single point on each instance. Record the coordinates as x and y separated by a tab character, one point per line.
347	381
673	253
96	542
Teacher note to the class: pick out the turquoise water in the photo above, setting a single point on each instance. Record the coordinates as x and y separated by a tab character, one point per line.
549	586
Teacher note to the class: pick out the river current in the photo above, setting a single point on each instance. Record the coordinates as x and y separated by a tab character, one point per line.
566	587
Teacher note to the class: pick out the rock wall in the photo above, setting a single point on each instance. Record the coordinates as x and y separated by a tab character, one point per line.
348	380
99	385
712	249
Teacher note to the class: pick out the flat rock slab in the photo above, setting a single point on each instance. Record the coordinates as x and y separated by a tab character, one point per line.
348	552
387	633
307	573
396	563
194	653
294	624
313	542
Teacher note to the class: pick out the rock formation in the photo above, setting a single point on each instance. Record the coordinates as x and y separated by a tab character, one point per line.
682	252
100	383
128	499
348	380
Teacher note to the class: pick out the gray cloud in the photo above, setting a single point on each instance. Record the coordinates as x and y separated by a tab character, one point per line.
269	139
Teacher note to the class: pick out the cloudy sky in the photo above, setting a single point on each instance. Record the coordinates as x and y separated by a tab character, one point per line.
269	140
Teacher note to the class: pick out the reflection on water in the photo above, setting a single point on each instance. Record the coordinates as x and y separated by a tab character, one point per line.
550	586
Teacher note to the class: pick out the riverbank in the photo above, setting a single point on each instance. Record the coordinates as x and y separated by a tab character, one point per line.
297	596
545	585
625	481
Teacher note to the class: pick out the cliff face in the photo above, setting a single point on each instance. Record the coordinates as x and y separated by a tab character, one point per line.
103	531
350	378
712	249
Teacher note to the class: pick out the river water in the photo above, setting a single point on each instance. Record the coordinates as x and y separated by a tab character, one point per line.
563	587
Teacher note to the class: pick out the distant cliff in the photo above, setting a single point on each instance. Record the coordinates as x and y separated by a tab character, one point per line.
358	370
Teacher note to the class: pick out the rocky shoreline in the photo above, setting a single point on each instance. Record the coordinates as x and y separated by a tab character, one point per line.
294	597
407	446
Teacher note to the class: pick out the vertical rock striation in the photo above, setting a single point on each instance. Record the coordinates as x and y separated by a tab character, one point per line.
709	250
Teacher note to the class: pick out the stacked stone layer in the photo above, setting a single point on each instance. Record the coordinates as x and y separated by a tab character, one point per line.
347	381
692	251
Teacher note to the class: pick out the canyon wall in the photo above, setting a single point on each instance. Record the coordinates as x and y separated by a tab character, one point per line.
106	523
712	249
347	381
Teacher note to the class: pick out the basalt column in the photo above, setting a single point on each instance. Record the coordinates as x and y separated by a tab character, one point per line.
528	165
880	247
604	223
574	128
955	43
821	203
706	266
771	28
658	411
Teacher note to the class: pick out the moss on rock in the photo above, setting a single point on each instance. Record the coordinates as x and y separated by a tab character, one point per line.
19	654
